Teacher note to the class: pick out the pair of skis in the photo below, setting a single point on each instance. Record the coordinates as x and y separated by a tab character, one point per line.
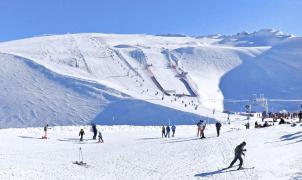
229	169
81	161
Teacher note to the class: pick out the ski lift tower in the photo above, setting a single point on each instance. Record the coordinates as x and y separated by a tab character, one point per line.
263	102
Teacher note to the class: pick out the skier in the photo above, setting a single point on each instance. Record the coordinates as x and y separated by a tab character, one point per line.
256	125
203	127
100	138
247	125
218	126
173	130
163	131
45	132
199	128
238	152
168	131
94	130
228	119
81	133
300	116
263	115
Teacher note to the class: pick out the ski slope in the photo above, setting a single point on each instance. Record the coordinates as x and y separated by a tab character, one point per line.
152	76
138	152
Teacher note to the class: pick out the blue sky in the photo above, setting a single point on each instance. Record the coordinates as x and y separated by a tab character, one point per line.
26	18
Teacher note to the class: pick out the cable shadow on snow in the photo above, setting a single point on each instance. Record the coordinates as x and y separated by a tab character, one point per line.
142	139
29	137
69	139
77	141
186	139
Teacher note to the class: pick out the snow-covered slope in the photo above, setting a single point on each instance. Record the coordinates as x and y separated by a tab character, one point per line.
32	95
132	152
189	74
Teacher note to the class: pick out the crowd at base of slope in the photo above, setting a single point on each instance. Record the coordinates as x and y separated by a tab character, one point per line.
268	120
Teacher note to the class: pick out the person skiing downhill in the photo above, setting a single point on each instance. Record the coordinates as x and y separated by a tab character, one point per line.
218	126
81	133
238	152
168	131
173	130
163	132
100	138
94	130
45	132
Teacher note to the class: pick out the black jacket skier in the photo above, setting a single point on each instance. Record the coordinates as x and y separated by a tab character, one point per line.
218	126
94	130
300	116
168	131
81	133
239	150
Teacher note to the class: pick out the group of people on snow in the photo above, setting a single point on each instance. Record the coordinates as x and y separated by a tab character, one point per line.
81	133
95	132
165	131
201	126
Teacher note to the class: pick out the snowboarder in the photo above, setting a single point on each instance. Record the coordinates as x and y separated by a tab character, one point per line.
168	131
300	116
218	126
100	138
163	131
173	130
94	130
199	128
45	132
81	133
238	152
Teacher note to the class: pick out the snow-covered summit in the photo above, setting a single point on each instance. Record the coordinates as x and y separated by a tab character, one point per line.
263	37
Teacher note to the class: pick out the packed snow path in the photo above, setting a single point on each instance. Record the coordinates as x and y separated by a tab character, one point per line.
140	153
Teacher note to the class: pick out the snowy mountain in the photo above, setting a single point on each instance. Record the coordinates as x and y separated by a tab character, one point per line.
143	79
264	37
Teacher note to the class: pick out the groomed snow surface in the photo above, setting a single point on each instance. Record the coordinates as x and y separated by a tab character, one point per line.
139	152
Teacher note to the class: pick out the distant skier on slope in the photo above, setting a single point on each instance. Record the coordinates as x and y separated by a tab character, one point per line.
94	130
45	132
247	125
203	127
218	126
163	131
173	130
168	131
199	128
81	133
100	138
300	116
238	152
